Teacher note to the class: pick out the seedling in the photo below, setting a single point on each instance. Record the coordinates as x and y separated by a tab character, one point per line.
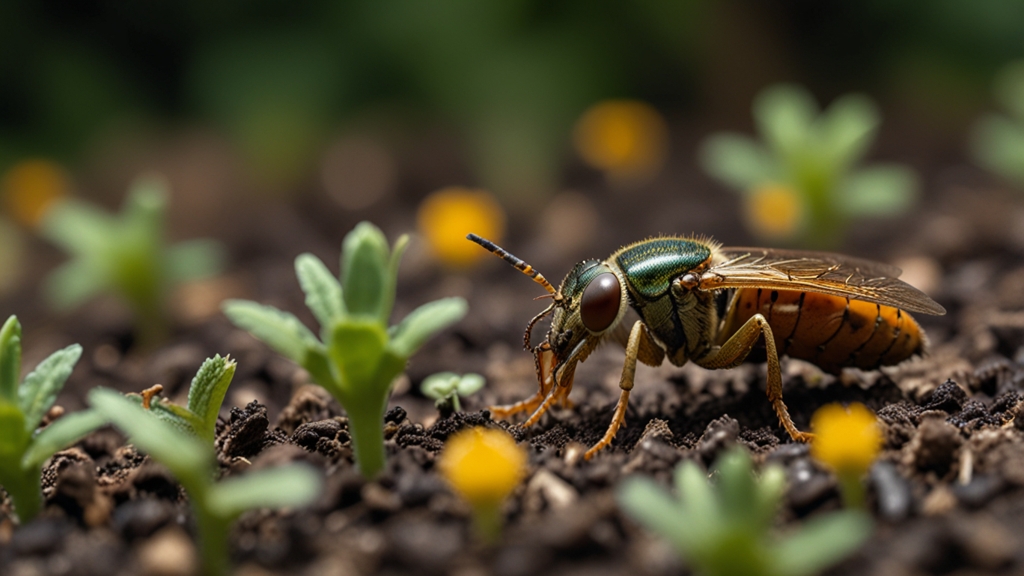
215	505
125	254
725	530
23	449
446	387
205	396
357	356
483	466
847	441
800	183
997	142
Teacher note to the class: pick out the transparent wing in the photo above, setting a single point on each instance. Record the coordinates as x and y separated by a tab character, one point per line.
821	272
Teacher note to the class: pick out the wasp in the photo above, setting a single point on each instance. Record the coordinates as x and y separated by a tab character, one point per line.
690	299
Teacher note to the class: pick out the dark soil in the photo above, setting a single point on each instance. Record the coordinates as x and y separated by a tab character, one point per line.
947	492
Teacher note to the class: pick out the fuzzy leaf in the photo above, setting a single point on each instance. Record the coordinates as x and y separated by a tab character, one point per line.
470	384
59	435
77	227
695	493
13	436
178	416
439	386
738	161
784	114
364	271
10	360
288	486
424	322
195	259
652	506
72	283
880	190
848	127
206	393
39	390
322	289
821	542
736	485
392	281
280	330
356	349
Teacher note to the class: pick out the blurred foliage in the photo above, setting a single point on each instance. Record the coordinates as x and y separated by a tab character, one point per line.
997	142
812	156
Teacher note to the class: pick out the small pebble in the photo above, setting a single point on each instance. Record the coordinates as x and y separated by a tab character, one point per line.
892	491
169	553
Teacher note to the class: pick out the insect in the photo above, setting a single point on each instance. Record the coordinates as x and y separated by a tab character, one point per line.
689	299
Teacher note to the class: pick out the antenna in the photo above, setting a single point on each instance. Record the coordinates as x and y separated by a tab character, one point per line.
516	262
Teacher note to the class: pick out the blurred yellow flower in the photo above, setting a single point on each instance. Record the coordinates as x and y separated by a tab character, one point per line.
446	216
483	465
774	211
627	139
847	440
30	187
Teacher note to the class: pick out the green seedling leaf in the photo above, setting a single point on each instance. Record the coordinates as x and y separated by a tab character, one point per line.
279	330
770	489
72	283
364	271
697	498
440	386
848	128
207	391
389	294
784	115
1009	89
39	390
10	360
64	432
146	200
185	456
356	349
322	289
13	436
78	228
178	416
821	542
736	484
879	190
738	161
195	260
997	143
424	322
288	486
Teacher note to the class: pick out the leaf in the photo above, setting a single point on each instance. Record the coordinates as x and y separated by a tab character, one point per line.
440	385
848	127
1009	88
322	289
364	271
206	393
356	348
280	330
59	435
771	486
821	542
10	359
77	227
13	436
39	390
188	459
470	384
195	259
72	283
288	486
390	291
697	499
424	322
997	143
784	114
738	161
650	505
880	190
736	486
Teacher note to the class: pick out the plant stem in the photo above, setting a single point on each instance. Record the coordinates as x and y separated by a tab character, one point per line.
366	426
487	522
852	490
212	534
26	494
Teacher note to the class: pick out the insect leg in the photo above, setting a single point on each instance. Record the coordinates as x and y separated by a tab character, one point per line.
734	350
559	392
637	337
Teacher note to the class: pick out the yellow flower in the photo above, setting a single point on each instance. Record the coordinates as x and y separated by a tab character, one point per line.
846	439
446	216
483	465
30	187
627	139
774	211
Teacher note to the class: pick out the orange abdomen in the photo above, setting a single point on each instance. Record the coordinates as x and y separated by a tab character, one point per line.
829	331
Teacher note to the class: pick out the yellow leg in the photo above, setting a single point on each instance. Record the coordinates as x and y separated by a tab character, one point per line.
638	342
736	349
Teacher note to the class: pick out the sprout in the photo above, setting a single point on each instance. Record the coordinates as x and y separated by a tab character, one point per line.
215	504
23	449
725	530
483	466
847	440
446	387
627	139
813	154
446	216
357	356
126	255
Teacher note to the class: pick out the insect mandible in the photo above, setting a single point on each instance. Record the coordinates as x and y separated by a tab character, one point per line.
689	299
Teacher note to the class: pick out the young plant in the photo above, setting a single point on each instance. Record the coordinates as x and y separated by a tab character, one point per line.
801	184
997	141
125	254
725	530
205	396
847	441
446	387
483	466
215	505
357	356
23	449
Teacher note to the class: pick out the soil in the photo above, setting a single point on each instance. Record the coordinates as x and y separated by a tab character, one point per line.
947	491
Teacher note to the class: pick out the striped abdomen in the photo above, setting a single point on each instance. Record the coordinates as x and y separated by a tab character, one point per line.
829	331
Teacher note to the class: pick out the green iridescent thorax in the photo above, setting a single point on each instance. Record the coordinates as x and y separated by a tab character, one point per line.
650	266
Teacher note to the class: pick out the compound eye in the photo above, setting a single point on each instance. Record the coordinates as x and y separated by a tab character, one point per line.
600	303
